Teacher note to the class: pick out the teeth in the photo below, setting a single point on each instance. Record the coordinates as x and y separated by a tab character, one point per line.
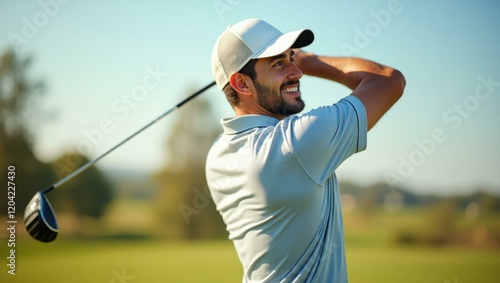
291	89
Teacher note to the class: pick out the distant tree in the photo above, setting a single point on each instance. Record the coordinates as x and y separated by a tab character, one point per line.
18	98
440	224
87	194
183	202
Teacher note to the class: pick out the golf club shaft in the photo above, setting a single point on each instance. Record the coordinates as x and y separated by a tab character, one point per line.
93	161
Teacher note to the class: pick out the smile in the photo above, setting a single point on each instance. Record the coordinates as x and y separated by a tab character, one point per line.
291	89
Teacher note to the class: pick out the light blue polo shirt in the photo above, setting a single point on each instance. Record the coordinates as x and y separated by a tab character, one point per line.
274	184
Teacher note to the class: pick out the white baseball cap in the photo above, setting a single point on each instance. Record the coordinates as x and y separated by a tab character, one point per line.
251	39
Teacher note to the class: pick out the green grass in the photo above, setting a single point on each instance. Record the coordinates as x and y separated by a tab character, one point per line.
145	261
371	258
216	261
422	265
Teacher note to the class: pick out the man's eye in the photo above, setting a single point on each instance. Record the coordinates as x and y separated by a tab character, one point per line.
278	64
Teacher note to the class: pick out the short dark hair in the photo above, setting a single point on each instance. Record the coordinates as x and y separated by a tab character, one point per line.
230	92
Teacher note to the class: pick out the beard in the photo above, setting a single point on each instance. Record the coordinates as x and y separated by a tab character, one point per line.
274	102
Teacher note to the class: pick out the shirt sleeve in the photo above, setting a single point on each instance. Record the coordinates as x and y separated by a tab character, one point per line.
324	137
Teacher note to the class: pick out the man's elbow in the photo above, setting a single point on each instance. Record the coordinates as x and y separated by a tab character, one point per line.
398	83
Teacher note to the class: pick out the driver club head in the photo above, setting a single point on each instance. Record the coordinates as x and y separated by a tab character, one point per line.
40	219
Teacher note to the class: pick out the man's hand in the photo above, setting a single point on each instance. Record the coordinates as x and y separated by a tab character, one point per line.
376	85
305	61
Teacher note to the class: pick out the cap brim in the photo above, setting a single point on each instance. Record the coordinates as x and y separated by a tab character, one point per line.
294	39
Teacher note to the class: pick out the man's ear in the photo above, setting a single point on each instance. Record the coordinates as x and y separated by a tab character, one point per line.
241	83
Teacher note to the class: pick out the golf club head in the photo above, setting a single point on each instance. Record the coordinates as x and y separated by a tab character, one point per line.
40	219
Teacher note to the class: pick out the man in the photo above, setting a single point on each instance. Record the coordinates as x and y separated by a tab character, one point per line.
272	173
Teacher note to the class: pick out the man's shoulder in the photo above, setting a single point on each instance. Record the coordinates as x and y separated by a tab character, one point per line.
239	124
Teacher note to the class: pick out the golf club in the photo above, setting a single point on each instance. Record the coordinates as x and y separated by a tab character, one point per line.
39	217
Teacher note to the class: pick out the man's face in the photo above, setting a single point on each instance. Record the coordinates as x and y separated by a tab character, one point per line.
277	84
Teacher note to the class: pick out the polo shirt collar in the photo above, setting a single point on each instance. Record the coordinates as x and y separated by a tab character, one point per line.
240	124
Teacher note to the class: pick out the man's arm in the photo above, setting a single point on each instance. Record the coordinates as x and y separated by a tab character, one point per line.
377	86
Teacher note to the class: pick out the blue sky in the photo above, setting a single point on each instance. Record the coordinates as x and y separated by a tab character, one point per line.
442	136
